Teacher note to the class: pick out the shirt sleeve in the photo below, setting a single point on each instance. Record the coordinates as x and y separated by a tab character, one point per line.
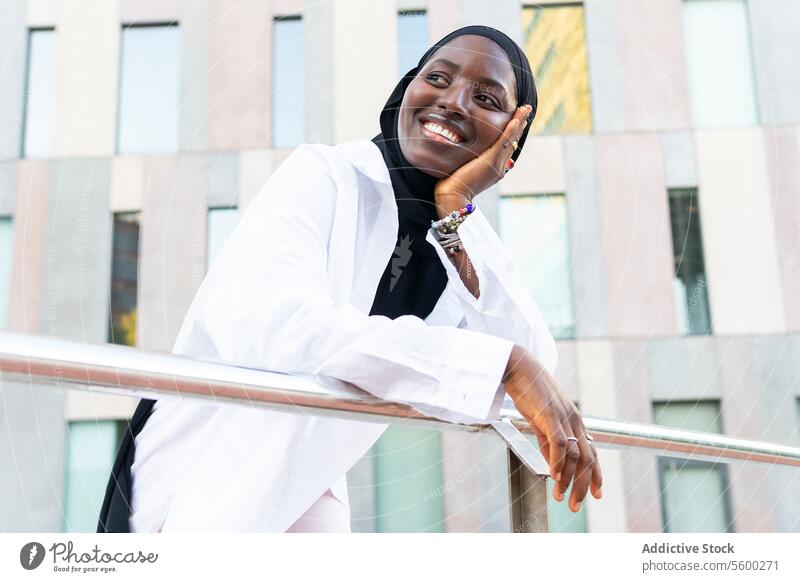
504	307
268	302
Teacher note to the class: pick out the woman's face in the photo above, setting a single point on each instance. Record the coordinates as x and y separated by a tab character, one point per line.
467	88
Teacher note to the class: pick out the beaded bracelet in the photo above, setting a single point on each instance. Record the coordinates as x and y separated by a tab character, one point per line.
452	221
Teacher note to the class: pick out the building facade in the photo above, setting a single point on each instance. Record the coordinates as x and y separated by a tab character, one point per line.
655	214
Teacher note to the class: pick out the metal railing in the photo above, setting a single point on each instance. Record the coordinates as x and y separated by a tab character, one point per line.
131	372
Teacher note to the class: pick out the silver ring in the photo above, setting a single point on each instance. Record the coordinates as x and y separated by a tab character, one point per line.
572	439
514	144
589	437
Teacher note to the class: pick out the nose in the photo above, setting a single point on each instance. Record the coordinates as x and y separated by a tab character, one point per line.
455	99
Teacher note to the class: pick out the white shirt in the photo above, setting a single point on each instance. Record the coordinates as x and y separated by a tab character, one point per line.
291	291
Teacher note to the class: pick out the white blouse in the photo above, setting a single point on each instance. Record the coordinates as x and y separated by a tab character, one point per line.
290	291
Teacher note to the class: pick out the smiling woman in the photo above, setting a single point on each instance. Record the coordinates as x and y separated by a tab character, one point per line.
308	283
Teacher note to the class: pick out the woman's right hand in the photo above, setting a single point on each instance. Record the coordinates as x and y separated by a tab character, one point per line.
554	417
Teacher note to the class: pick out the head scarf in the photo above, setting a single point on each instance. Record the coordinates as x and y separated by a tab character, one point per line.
414	278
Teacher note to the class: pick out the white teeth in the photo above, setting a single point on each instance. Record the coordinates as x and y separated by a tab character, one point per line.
430	126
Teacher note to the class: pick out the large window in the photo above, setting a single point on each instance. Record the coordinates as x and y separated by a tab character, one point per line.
40	100
555	43
412	38
91	448
694	494
719	63
409	495
690	285
288	85
535	229
124	278
149	91
6	235
221	222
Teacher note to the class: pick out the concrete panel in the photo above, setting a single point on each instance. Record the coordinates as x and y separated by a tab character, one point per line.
223	179
683	368
84	405
13	55
172	246
42	13
462	490
78	258
32	444
750	491
640	470
255	167
30	252
637	236
539	169
196	27
586	238
240	74
651	51
504	16
680	165
606	74
783	168
738	232
127	183
443	18
88	56
775	34
320	124
149	12
598	398
357	105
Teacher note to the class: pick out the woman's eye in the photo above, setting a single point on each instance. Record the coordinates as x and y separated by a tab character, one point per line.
435	75
490	101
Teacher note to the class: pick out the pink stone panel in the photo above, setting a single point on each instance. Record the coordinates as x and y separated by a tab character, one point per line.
651	40
637	236
30	255
240	74
783	170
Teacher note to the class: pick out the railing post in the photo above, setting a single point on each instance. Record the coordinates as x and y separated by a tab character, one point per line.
527	498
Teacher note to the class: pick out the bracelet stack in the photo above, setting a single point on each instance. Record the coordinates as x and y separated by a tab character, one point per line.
447	227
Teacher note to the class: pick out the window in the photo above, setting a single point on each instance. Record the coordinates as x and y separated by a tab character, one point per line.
124	278
690	285
535	229
288	84
408	480
719	63
412	38
555	43
6	236
91	448
39	98
221	222
694	494
149	91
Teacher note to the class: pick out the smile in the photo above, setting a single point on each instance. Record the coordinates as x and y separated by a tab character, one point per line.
440	134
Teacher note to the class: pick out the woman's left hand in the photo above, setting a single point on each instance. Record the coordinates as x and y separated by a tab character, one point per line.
487	169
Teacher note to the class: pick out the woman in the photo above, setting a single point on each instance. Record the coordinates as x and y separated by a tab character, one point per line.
336	233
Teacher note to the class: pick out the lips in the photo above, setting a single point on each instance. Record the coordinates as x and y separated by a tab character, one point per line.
454	135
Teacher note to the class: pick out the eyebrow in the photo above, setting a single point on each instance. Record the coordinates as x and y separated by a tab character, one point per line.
482	80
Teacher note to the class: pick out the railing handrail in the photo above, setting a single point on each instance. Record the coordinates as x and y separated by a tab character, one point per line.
132	372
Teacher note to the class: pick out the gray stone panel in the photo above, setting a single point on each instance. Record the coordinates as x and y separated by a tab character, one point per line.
223	180
586	238
606	74
78	251
13	56
680	165
683	368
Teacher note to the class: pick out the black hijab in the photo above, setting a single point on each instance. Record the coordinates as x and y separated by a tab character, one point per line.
414	278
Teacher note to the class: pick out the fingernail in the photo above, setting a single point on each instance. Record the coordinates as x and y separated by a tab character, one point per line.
558	477
599	493
578	506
